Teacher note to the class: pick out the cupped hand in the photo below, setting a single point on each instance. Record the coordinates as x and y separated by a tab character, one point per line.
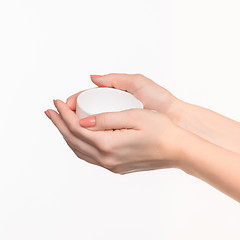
152	95
122	142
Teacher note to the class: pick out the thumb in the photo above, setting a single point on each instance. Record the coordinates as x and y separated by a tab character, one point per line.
113	120
122	81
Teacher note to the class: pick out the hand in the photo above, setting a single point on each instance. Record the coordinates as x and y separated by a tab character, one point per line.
147	91
122	142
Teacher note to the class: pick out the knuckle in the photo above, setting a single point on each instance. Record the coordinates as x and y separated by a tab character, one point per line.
67	135
107	162
73	127
135	114
106	145
138	76
104	119
112	74
138	79
115	81
115	170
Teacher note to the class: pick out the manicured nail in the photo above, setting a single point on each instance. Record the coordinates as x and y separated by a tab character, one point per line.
94	76
87	122
47	114
54	102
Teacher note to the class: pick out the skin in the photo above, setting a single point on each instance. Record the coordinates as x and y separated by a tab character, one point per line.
177	134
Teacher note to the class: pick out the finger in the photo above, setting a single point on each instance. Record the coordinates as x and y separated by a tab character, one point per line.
71	140
122	81
82	155
127	119
72	100
72	122
59	124
85	157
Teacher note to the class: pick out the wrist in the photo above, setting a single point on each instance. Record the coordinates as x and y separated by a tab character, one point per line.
175	148
176	111
182	143
191	152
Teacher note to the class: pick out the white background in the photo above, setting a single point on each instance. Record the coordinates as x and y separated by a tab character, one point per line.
48	49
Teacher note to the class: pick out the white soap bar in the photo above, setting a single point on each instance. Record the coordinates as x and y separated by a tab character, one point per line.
104	99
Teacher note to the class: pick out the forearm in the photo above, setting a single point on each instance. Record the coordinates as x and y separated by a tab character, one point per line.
207	124
217	166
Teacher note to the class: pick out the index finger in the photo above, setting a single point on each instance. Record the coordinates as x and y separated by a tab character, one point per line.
72	100
72	122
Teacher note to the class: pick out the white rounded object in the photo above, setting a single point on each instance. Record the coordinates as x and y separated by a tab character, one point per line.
104	99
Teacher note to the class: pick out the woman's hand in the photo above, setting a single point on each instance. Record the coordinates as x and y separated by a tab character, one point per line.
140	139
152	95
122	142
203	122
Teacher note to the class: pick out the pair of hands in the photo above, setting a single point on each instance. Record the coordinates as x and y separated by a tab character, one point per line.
126	141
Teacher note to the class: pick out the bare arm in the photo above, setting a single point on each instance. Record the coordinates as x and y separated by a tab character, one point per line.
215	165
203	122
207	144
207	124
210	146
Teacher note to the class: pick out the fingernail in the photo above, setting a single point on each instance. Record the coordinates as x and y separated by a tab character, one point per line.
47	114
87	122
94	76
54	102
